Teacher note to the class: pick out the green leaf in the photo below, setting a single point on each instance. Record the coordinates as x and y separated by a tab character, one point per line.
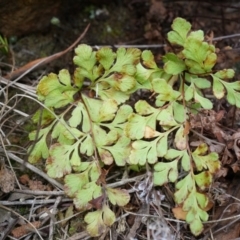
85	57
195	214
94	171
40	148
203	179
105	92
189	92
181	28
233	92
99	220
106	57
201	83
43	116
125	58
88	192
237	97
107	110
87	145
194	67
205	103
75	159
142	152
148	59
165	172
80	116
121	81
202	200
166	92
186	162
118	197
173	65
58	164
233	85
120	151
99	110
209	161
143	75
218	88
195	50
189	201
166	118
64	134
64	77
119	122
181	139
84	166
173	154
225	74
104	138
162	145
179	112
231	97
75	182
183	188
143	108
79	77
196	227
201	149
210	62
56	90
95	226
135	127
199	35
194	217
108	216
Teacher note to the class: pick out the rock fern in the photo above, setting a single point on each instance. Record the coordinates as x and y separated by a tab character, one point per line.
93	120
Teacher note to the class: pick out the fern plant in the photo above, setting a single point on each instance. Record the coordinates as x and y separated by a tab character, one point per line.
90	121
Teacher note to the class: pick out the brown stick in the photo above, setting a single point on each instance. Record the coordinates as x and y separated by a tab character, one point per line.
42	61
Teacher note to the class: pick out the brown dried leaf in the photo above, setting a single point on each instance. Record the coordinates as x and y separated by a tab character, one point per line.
222	172
25	229
179	213
219	134
36	185
236	148
236	135
235	167
227	157
220	115
24	179
210	37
